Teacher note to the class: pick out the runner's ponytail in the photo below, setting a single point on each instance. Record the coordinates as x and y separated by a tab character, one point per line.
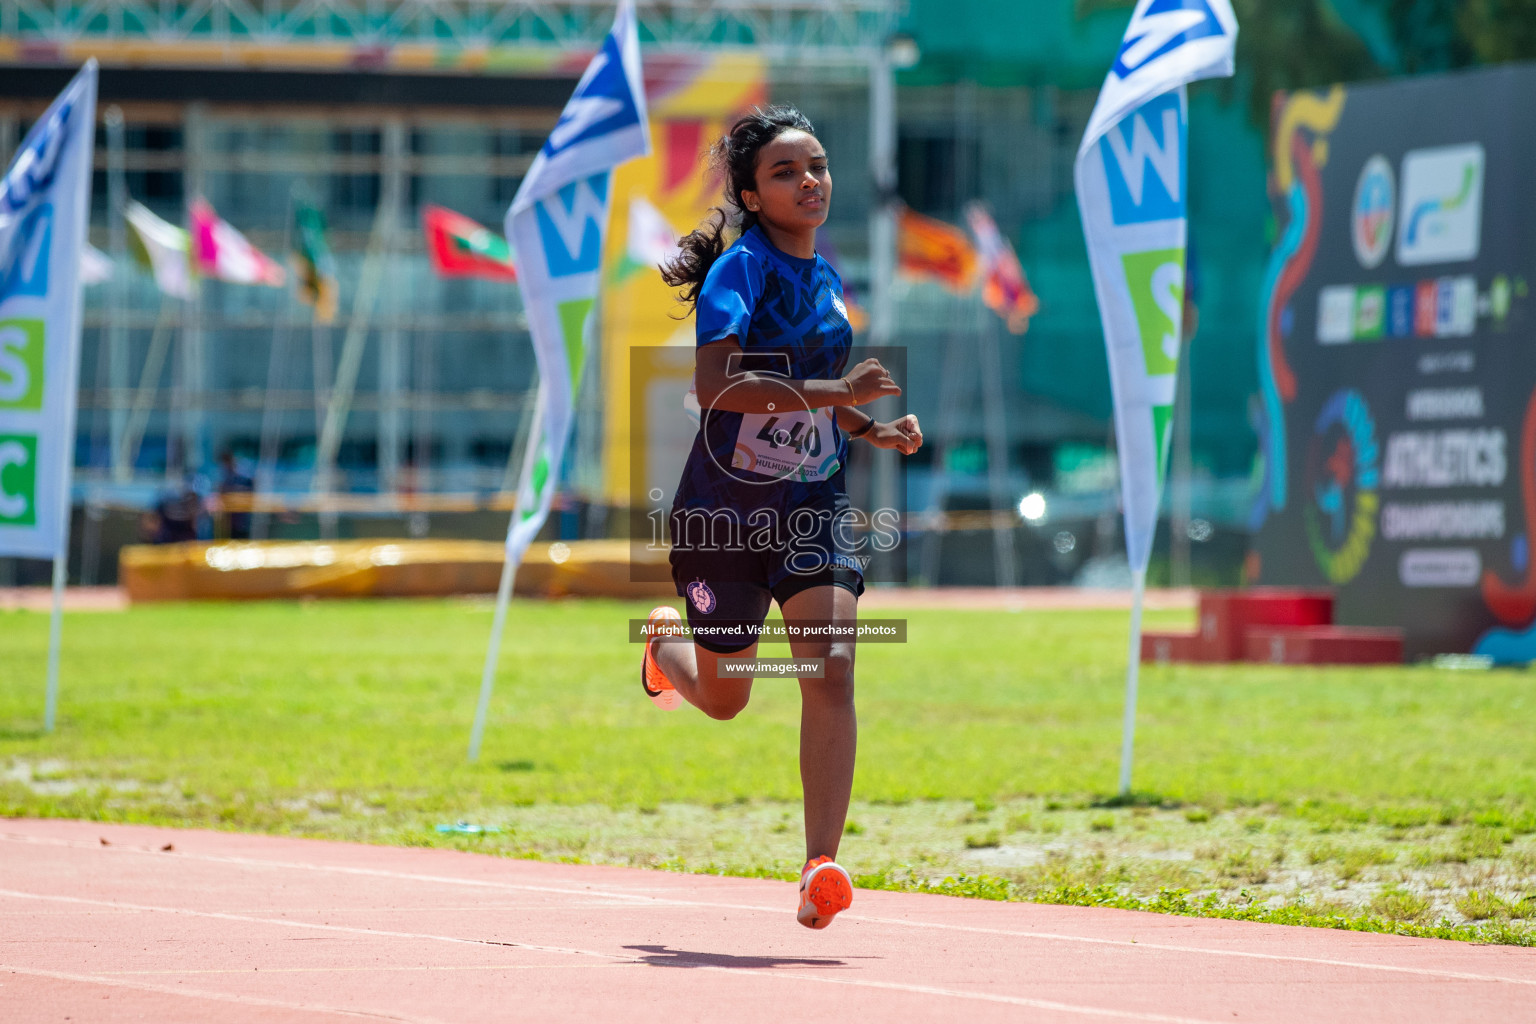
736	156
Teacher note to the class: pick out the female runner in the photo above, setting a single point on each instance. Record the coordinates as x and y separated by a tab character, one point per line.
762	512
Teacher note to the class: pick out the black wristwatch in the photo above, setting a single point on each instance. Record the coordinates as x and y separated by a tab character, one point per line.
868	425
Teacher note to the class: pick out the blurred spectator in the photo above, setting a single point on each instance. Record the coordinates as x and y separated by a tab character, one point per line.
176	514
233	513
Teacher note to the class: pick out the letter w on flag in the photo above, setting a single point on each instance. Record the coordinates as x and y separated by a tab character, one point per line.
556	226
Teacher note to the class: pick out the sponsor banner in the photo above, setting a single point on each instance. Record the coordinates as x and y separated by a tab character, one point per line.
659	197
1399	427
44	212
1131	177
556	226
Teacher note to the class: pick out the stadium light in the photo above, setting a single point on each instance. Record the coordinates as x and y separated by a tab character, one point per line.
902	52
1032	506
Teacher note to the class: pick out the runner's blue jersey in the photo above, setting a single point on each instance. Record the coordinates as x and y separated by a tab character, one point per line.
788	316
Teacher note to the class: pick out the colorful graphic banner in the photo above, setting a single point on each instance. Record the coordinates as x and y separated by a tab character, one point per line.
1397	428
693	100
45	204
1131	194
557	225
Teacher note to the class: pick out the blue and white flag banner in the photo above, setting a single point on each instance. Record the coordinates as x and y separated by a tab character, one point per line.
1132	195
44	212
556	226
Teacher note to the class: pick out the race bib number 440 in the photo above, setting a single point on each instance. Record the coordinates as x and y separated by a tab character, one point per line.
799	445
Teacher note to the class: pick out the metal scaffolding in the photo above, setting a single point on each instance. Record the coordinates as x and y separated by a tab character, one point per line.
172	382
779	29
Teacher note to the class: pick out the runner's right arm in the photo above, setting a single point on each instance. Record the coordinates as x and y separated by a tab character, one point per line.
747	391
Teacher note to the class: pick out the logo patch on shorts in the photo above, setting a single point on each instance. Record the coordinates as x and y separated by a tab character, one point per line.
702	597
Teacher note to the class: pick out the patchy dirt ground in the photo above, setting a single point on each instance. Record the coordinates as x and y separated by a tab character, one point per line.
1454	870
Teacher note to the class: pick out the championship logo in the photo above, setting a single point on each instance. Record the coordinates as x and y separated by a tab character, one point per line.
1370	225
1343	474
702	597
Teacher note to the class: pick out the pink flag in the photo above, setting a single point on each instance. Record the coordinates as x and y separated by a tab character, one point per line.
1004	288
221	252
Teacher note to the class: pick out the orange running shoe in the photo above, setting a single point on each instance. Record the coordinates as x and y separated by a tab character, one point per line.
662	693
825	889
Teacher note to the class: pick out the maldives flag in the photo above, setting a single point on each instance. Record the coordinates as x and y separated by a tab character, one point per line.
460	247
221	252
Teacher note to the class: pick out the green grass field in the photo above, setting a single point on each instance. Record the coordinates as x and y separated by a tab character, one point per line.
1386	798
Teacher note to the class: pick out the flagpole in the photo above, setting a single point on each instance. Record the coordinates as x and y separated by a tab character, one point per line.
82	201
338	405
1132	669
504	588
492	655
56	624
117	190
267	443
149	383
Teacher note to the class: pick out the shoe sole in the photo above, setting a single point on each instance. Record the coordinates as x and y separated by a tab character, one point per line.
827	892
667	700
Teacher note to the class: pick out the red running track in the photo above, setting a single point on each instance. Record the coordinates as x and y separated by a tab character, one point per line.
228	927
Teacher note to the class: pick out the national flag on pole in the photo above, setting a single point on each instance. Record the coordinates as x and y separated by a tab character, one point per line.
162	248
314	268
45	206
927	247
557	224
460	247
223	253
1004	288
95	265
1131	184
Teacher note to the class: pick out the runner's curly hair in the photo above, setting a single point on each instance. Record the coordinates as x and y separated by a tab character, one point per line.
736	154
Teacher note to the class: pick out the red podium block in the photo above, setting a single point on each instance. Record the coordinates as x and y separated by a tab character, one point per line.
1325	645
1165	647
1226	616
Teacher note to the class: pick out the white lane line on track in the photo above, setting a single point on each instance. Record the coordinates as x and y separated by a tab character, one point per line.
315	925
950	993
591	893
1169	948
617	959
351	970
221	997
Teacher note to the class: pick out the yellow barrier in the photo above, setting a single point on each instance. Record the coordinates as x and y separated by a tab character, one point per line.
247	570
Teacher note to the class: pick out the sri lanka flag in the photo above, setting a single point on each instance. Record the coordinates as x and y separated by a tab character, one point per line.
926	247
